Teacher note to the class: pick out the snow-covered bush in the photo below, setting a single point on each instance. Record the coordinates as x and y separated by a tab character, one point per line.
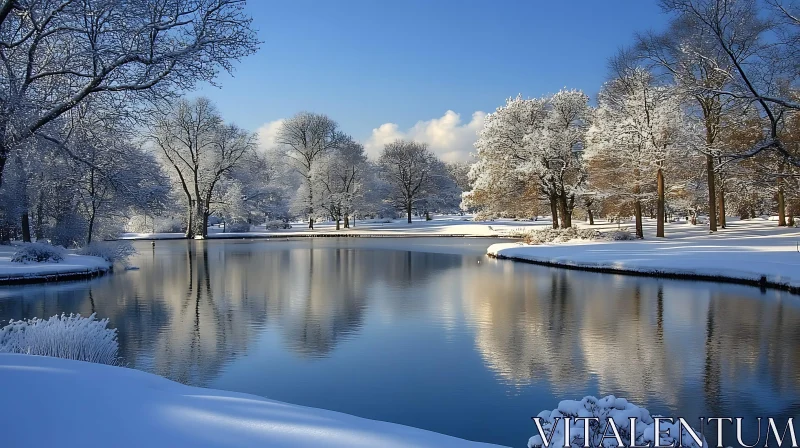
241	226
618	235
609	407
38	253
559	235
485	216
549	235
111	251
277	224
68	337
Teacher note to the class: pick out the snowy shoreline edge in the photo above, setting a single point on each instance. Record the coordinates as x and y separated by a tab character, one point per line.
21	279
762	282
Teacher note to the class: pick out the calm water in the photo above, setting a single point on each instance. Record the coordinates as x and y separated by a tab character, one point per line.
431	333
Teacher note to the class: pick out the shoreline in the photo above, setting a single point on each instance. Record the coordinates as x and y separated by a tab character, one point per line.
312	235
762	282
23	279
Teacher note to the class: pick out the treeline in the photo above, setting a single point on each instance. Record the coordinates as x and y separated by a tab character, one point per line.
183	168
699	119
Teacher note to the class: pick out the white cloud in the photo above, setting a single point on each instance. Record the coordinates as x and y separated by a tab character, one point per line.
266	134
446	136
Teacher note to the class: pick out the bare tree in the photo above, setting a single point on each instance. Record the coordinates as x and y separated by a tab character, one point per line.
307	138
200	150
57	53
756	70
409	169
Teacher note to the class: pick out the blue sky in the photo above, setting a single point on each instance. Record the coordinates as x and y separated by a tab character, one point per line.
368	63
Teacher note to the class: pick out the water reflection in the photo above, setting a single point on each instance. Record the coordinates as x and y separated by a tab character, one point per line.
440	336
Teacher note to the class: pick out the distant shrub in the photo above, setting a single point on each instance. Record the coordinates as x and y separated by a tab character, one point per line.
618	235
485	216
111	251
241	226
68	337
559	235
38	253
549	235
277	224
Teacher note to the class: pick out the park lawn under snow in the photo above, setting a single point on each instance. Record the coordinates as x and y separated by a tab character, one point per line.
65	403
746	250
71	264
440	225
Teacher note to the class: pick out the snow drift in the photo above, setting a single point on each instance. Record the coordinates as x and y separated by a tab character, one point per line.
66	403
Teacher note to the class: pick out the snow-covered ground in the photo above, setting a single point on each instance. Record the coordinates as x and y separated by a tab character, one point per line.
440	225
73	266
65	403
746	250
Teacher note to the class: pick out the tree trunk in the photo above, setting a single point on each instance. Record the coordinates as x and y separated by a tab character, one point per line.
554	210
90	230
205	223
26	227
563	210
781	208
199	222
660	209
721	204
591	216
346	221
190	220
40	216
4	151
637	210
712	194
337	223
408	212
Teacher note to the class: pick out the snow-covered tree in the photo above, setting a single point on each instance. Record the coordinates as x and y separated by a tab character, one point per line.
267	184
637	129
502	147
341	180
531	149
57	54
199	150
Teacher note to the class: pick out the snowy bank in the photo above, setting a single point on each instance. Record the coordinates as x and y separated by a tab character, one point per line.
72	267
750	252
54	398
440	225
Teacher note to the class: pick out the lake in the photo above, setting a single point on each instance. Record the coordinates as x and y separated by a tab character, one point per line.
430	332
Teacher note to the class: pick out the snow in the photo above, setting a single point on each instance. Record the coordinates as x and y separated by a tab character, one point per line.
745	251
66	403
72	265
440	225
